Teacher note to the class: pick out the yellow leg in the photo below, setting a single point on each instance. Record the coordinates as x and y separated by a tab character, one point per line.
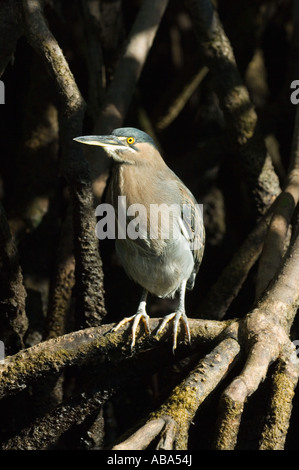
140	315
178	316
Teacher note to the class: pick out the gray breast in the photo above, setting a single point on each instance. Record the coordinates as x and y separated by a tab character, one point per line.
161	273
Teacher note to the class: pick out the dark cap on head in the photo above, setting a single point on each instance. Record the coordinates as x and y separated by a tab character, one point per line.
138	135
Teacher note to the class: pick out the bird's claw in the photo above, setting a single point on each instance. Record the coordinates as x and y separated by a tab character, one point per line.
136	319
177	316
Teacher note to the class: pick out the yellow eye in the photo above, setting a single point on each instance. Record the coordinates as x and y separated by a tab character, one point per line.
130	140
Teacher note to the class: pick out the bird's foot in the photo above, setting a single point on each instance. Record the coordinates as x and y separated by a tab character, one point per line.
177	316
140	315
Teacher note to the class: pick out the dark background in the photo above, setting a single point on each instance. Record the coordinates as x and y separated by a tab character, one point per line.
194	145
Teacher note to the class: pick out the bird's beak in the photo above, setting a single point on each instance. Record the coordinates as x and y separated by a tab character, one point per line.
106	141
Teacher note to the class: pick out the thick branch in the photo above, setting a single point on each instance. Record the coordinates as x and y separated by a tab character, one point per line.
185	399
129	67
239	112
13	319
10	31
275	243
126	76
91	16
180	408
54	355
229	283
266	332
142	438
284	382
63	283
47	430
89	275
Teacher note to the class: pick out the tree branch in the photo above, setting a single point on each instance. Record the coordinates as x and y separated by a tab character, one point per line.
276	240
180	408
126	75
13	319
54	355
230	281
239	112
47	430
89	275
265	331
10	31
284	382
179	102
